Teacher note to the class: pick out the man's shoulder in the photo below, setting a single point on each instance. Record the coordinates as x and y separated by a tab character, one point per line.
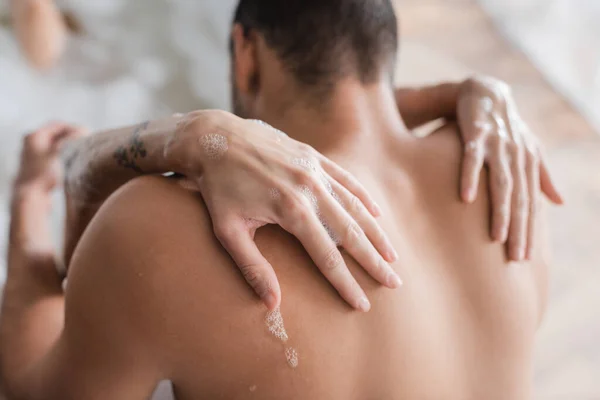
154	195
441	149
149	235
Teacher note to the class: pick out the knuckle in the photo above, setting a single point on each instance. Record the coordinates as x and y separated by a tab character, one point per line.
299	212
497	142
532	207
473	147
253	276
522	202
513	149
224	233
303	177
502	212
515	153
353	205
346	178
333	259
531	157
352	233
504	182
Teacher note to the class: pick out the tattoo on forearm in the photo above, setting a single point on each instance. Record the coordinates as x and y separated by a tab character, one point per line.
127	156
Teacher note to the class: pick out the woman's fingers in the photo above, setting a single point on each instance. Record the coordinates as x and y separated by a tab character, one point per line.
472	164
517	238
303	223
353	228
351	183
257	271
533	178
356	207
501	190
547	185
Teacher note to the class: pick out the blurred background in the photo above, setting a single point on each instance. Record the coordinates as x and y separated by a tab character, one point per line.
129	60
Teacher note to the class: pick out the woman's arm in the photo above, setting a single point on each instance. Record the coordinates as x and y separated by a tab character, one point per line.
41	357
493	135
243	172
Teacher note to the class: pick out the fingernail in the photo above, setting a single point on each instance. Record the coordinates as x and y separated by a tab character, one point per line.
364	305
394	280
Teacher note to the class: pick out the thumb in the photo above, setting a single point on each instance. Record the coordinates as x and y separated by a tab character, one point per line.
257	271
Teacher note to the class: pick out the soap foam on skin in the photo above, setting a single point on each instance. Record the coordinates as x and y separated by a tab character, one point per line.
275	324
487	104
305	190
334	237
214	145
274	194
280	134
274	321
291	356
304	163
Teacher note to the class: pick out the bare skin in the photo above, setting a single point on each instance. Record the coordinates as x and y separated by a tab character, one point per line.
98	165
465	318
153	295
142	306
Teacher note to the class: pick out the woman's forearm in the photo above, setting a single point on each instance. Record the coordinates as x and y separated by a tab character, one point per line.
97	165
421	105
33	301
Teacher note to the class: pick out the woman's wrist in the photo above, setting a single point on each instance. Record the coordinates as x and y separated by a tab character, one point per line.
196	136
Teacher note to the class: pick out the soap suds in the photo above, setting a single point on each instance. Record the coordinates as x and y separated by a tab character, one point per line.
291	356
214	145
275	324
274	194
304	163
305	190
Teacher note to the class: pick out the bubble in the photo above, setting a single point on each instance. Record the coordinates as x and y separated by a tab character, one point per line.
275	324
189	185
332	234
304	163
305	190
472	146
215	145
483	126
337	198
266	125
274	194
502	130
487	104
291	356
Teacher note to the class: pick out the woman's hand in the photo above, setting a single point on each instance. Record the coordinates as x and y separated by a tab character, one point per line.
39	173
251	175
493	133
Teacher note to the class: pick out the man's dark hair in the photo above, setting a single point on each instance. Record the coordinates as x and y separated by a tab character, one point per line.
322	41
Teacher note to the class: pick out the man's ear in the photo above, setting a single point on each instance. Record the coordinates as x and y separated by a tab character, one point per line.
245	62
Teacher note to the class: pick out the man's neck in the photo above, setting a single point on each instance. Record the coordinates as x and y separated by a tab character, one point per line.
353	116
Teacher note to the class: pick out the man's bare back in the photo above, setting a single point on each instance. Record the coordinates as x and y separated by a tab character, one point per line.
151	273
